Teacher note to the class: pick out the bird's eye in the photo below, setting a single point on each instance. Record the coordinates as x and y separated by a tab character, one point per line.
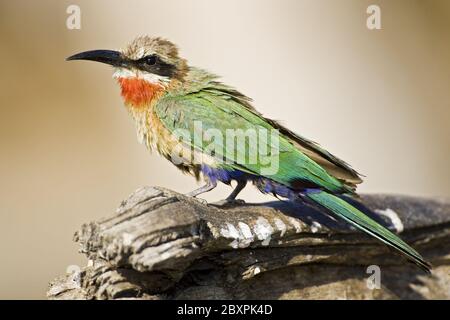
150	60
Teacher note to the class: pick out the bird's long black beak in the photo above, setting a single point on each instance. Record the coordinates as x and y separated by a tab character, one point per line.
110	57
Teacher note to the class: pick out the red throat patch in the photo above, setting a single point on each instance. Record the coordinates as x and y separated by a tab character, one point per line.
138	92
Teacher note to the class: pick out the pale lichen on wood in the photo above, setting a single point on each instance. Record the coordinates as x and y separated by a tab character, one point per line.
163	245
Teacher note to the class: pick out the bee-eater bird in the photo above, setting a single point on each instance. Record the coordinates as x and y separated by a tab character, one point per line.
165	95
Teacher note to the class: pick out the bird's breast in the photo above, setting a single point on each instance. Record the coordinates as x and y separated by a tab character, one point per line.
156	137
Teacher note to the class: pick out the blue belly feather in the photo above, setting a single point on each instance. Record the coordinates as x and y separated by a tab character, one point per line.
265	185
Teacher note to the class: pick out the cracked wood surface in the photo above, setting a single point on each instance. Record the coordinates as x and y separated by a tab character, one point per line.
163	245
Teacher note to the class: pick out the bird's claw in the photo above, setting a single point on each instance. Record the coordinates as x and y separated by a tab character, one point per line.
202	201
229	203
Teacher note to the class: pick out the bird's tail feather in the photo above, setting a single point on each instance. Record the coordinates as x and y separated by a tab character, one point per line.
349	213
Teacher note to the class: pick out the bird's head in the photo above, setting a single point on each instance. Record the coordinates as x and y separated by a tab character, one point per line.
144	69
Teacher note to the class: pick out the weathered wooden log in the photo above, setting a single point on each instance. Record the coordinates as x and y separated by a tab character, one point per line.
164	245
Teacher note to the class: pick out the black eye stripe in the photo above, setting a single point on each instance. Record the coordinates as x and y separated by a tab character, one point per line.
155	65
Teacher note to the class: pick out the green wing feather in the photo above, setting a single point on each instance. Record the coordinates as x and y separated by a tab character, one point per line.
218	111
200	80
358	219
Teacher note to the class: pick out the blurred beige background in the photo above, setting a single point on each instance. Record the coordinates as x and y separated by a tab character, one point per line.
69	154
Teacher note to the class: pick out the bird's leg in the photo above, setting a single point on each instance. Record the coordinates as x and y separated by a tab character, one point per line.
231	199
240	185
207	187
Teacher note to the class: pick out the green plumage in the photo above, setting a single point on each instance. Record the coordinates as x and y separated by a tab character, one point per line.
217	112
220	107
349	213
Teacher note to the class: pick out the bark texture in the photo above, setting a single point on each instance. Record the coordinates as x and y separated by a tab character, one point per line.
162	245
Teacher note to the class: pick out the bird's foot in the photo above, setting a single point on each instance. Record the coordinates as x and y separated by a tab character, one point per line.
229	203
194	198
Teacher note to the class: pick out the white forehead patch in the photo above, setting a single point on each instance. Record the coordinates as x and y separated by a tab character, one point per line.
141	52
